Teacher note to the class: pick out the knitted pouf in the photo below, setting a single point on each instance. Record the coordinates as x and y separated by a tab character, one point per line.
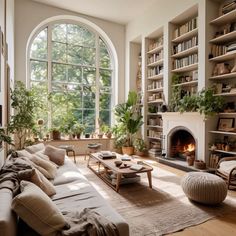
204	187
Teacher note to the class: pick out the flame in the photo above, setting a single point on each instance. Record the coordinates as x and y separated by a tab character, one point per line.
190	147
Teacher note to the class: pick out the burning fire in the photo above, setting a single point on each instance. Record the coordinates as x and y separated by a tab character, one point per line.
189	148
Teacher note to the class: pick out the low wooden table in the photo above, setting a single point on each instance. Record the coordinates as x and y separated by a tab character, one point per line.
100	166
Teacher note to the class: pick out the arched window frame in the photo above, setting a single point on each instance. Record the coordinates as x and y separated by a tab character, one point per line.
48	23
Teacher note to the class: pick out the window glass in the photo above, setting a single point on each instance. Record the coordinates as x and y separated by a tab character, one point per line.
77	72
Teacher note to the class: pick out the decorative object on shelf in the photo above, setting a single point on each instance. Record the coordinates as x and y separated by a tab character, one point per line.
226	124
129	120
199	164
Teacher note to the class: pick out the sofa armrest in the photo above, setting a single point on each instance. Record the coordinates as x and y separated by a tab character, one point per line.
8	219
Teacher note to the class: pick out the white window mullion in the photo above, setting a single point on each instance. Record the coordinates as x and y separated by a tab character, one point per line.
97	96
49	73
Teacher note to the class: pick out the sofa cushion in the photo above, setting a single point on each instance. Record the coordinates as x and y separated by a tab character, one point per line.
37	210
39	179
227	166
35	148
48	166
56	155
81	194
67	173
23	153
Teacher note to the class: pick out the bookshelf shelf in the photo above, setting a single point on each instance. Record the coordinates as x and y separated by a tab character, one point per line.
155	90
155	50
186	68
156	77
195	82
224	38
186	36
156	63
221	20
225	76
222	132
226	57
186	52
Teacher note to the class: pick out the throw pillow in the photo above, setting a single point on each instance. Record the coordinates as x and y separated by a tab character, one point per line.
50	168
39	179
41	169
56	155
23	153
34	207
35	148
45	157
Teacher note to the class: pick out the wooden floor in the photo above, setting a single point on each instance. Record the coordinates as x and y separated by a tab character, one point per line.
220	226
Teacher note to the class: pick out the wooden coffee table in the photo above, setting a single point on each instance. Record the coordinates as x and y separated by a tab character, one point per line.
102	166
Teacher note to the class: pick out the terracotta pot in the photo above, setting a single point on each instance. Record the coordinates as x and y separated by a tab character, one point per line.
190	160
141	154
128	150
200	164
78	136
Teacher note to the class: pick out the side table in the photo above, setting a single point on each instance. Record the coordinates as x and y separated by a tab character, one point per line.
68	148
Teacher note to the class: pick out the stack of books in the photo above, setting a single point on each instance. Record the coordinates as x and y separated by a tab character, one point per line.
154	152
107	155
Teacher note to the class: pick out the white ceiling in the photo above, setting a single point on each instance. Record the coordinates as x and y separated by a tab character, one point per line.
120	11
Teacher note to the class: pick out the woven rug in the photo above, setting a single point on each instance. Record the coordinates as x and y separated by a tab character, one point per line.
158	211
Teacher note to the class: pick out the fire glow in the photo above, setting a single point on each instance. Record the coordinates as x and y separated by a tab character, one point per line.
189	148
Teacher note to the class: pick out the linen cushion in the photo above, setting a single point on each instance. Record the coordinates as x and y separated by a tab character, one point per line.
39	179
35	148
56	155
45	157
35	208
41	169
24	153
227	166
50	168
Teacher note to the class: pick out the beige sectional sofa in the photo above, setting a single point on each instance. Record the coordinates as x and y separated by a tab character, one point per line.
73	191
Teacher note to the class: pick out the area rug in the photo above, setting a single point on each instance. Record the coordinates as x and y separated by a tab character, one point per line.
158	211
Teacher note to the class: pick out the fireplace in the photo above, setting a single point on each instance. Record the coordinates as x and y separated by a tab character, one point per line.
181	143
189	127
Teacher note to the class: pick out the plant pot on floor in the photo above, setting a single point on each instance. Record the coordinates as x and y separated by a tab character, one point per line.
128	150
56	135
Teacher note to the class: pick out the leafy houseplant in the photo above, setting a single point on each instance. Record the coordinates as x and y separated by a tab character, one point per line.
140	146
4	137
78	129
129	119
106	130
204	102
24	103
56	133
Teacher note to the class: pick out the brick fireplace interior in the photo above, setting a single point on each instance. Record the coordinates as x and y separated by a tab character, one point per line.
182	144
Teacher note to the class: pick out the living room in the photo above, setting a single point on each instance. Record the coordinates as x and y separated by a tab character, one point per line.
173	55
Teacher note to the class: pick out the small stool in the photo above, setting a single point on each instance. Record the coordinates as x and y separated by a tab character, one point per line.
68	148
93	147
204	188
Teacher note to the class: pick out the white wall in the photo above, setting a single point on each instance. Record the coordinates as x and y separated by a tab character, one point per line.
29	14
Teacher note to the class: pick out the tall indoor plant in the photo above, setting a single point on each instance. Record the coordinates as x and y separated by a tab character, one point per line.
129	119
23	121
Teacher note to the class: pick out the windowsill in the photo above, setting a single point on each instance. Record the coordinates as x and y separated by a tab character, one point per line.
75	140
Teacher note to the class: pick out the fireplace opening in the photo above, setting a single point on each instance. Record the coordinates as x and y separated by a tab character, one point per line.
182	144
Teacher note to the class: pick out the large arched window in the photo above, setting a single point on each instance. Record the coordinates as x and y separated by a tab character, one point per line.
71	69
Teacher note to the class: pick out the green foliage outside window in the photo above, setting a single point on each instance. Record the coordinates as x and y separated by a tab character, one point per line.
75	83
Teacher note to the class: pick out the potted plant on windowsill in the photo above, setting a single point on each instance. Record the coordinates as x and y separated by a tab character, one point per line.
129	121
78	129
55	133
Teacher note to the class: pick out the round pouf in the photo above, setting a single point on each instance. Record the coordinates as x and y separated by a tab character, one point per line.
204	187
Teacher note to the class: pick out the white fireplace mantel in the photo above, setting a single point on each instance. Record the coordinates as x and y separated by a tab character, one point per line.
191	121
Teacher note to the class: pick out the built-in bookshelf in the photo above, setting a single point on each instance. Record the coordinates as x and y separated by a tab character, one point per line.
154	91
222	74
184	54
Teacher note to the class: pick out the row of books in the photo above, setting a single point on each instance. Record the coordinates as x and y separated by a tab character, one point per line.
189	26
228	7
185	45
186	61
156	57
155	85
218	50
154	152
154	134
156	43
155	70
